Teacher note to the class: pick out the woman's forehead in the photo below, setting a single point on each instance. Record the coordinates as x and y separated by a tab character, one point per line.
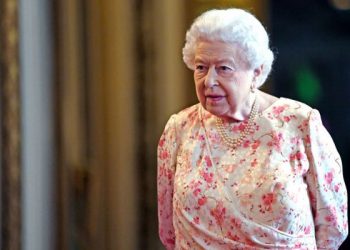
219	51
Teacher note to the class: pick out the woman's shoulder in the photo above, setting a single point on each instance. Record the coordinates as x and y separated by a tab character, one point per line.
282	105
187	114
296	107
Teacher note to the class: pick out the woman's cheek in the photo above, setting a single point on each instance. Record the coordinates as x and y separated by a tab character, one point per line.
200	93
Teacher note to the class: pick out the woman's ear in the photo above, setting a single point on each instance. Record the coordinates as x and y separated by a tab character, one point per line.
257	72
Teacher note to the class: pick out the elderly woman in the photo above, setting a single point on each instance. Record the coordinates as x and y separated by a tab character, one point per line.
243	169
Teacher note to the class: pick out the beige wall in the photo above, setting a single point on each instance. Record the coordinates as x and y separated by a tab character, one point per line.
164	83
118	60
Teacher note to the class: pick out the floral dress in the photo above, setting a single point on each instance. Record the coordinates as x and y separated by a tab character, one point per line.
282	188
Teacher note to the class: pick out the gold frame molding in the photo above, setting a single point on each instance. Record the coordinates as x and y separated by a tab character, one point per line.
10	127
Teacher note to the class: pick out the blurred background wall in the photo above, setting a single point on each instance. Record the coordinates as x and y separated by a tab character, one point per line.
100	78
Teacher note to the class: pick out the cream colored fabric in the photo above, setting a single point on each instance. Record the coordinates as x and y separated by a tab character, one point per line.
281	189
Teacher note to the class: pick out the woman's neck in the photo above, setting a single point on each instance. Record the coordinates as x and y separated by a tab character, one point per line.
242	112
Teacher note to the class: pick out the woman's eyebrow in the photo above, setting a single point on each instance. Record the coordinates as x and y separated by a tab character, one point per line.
229	61
198	60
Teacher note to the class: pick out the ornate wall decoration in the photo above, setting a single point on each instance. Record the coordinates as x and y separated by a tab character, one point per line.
10	127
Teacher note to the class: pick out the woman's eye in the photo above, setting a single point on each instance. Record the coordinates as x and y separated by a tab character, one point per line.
199	67
225	68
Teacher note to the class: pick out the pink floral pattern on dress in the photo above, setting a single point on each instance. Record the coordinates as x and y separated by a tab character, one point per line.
281	189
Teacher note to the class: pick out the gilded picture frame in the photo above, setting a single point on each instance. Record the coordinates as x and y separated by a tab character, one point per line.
10	194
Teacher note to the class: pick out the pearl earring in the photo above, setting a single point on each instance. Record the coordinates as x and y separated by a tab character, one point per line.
252	89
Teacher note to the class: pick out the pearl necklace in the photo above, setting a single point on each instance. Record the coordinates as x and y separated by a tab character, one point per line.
235	142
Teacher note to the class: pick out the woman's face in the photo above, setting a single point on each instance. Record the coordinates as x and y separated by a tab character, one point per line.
222	78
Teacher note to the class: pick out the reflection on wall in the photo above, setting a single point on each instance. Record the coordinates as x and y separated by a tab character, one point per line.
258	8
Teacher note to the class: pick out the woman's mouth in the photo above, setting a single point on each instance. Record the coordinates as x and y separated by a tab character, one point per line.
215	98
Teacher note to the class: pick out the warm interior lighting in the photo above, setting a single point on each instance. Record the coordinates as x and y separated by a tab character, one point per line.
341	4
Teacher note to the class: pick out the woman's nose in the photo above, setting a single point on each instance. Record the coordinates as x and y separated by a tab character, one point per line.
211	78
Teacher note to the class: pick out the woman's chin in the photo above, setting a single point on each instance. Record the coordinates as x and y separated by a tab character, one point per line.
215	110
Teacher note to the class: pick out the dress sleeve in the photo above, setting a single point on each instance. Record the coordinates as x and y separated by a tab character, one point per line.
326	186
167	149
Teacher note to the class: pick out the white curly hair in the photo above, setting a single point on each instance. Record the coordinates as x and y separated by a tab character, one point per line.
235	26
